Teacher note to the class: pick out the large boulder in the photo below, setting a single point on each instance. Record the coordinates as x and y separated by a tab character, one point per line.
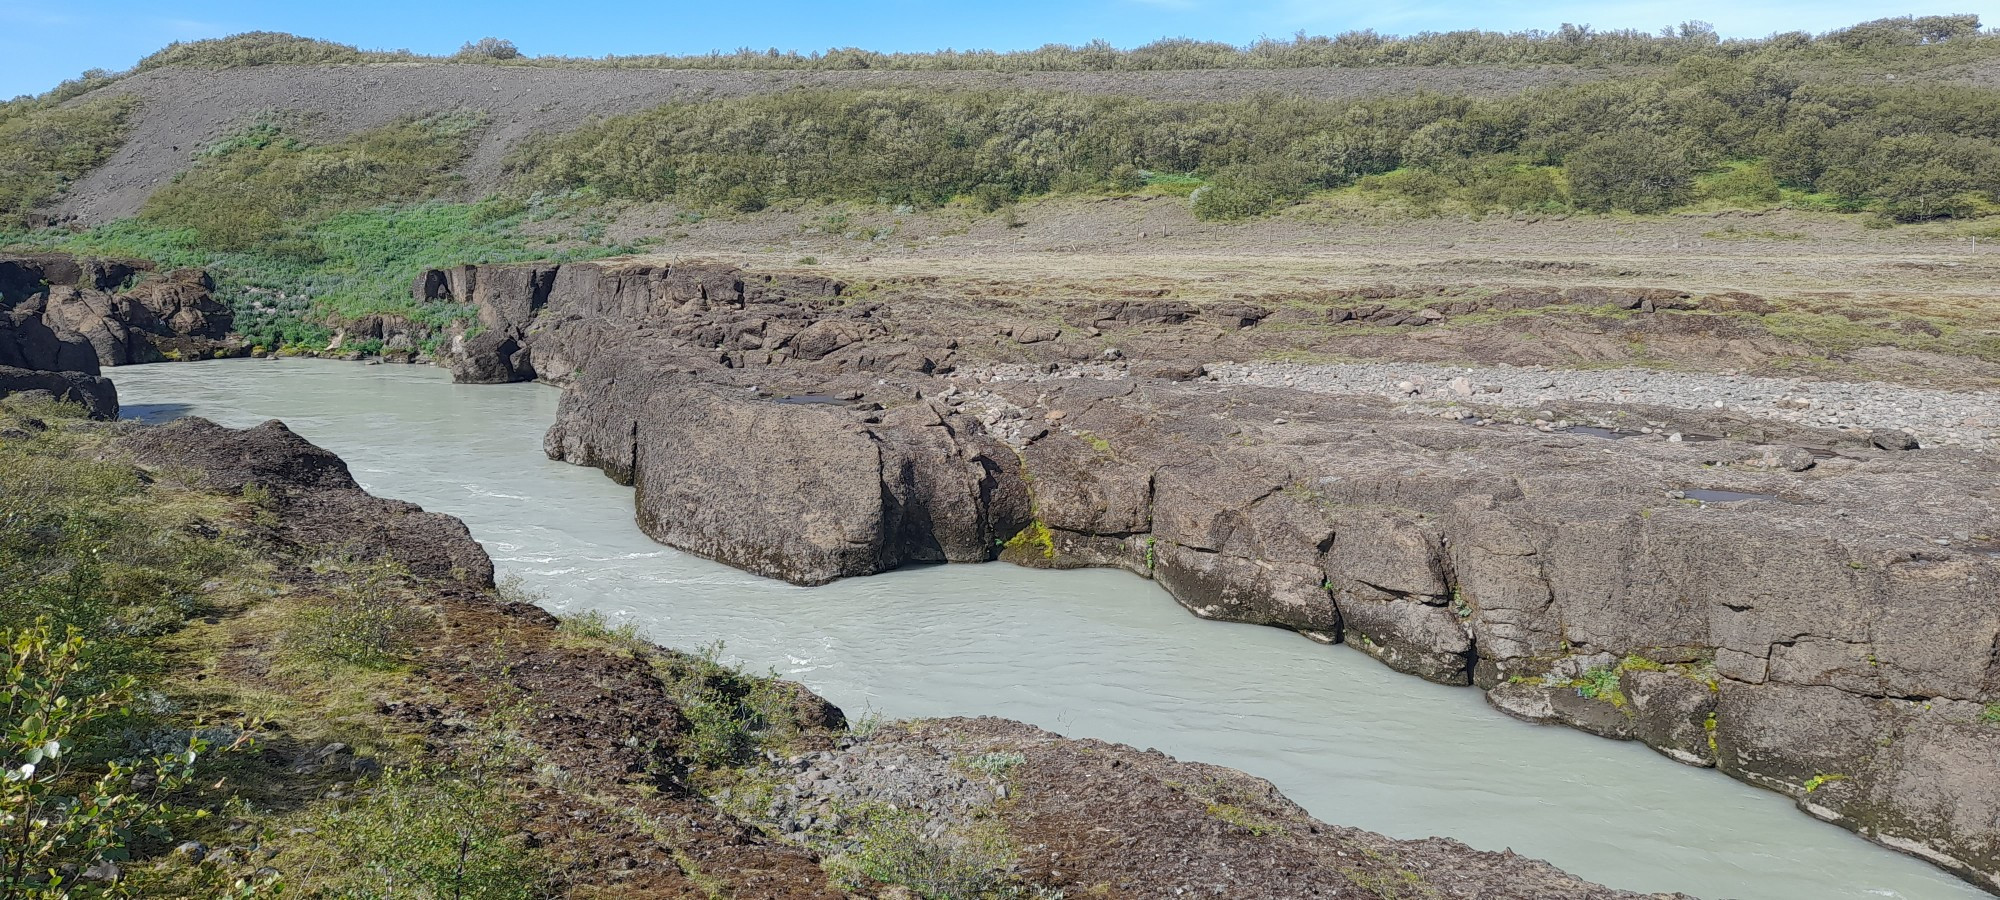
808	492
94	393
317	501
55	308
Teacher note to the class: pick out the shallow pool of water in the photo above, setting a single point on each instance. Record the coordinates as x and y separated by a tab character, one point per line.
1093	653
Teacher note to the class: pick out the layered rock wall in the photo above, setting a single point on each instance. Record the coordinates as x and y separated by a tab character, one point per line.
1828	628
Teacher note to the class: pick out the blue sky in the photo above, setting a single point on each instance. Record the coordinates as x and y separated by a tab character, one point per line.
45	41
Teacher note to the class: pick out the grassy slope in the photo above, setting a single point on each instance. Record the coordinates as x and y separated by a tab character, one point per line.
330	678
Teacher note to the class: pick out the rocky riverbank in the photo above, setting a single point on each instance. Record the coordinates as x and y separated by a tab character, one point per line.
62	319
572	759
1740	598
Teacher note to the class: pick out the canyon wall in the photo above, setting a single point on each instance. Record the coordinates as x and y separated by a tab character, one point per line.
1826	626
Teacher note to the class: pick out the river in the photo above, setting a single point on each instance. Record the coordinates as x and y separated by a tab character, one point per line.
1101	654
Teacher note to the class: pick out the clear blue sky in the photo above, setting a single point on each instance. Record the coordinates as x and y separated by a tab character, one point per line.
45	41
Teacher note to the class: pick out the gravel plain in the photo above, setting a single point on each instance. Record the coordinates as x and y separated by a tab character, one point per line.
1938	418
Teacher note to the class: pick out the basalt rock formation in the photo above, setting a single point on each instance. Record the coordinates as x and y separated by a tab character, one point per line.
39	356
1801	609
1081	816
120	312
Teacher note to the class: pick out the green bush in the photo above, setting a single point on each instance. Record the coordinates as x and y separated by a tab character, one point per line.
732	714
422	834
895	847
1633	170
61	815
365	617
1748	184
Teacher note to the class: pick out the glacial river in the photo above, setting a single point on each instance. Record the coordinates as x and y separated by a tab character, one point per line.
1099	654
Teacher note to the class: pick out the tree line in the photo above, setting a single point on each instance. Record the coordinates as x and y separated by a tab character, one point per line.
1570	44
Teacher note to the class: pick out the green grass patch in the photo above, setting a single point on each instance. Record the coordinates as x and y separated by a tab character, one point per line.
420	833
259	187
43	149
893	847
1600	683
365	261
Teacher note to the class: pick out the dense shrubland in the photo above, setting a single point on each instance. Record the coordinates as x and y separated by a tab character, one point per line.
1883	39
1907	151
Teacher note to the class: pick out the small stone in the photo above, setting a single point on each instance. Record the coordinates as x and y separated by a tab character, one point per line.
1892	439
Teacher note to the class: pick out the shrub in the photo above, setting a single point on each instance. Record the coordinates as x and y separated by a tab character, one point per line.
896	847
422	833
594	625
365	617
1750	184
59	818
1633	170
489	48
731	714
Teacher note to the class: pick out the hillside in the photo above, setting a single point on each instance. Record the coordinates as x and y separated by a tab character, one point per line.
183	110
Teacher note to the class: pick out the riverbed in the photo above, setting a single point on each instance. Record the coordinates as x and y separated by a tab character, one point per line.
1100	654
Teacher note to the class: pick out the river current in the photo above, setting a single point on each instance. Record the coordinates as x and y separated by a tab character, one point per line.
1091	653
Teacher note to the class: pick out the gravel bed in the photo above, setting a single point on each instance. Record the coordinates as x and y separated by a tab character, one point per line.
1938	418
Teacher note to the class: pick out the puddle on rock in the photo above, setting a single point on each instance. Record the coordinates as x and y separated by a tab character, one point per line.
805	399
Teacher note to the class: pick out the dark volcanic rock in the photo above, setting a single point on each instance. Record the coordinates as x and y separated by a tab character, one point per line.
317	500
1095	818
60	312
1782	637
94	393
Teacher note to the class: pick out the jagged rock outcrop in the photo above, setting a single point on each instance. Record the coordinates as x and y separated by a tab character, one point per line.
1039	812
1798	632
94	393
319	500
119	312
43	354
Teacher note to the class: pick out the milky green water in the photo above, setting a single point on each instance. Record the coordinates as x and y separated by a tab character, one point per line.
1091	653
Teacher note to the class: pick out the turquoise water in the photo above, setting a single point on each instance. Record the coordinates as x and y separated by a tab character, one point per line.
1094	653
